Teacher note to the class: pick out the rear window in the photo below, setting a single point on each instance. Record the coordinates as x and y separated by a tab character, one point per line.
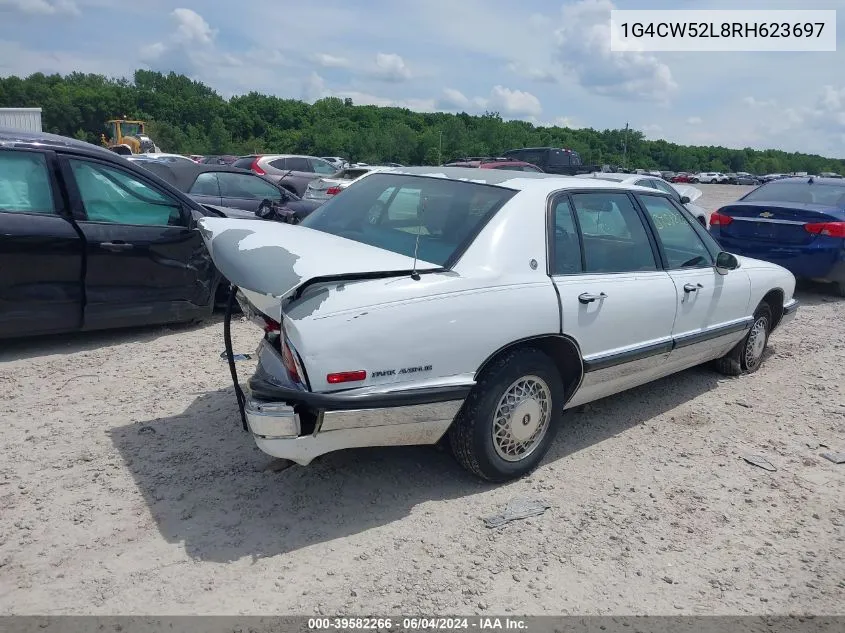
389	211
800	193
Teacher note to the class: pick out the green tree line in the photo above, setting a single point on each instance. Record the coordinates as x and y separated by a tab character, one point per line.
188	117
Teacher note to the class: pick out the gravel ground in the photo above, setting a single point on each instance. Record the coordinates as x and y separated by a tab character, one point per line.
127	487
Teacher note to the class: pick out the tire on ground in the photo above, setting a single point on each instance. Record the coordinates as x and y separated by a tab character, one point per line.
736	362
471	435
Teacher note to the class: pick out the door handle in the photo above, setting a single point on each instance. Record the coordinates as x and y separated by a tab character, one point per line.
692	287
116	246
587	297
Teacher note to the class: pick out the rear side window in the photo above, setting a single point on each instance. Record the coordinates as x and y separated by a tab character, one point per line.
389	211
25	183
566	246
111	195
613	234
559	158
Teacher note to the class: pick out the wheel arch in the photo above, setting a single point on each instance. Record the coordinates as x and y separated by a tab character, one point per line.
774	299
562	349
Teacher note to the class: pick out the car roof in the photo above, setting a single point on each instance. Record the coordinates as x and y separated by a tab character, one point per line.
816	180
47	141
518	180
182	175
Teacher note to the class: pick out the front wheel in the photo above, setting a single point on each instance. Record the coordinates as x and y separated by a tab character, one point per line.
508	422
747	356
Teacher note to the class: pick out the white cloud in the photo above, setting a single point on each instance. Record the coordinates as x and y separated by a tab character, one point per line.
331	61
189	49
391	67
533	73
758	103
192	28
314	87
514	102
583	51
453	100
41	7
694	120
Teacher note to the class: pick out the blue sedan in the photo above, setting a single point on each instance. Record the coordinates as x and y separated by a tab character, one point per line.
798	223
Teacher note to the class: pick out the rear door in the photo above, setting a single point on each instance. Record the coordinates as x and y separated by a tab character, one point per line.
41	288
144	261
616	301
206	189
713	309
245	191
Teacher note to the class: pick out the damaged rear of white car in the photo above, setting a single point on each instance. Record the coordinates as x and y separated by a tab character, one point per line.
431	300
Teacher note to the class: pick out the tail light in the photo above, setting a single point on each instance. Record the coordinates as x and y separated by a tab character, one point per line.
333	191
829	229
719	219
346	376
254	167
290	362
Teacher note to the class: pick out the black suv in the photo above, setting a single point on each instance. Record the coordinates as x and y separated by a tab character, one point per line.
90	240
552	160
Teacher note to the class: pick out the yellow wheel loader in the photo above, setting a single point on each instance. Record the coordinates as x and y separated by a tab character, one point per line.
127	137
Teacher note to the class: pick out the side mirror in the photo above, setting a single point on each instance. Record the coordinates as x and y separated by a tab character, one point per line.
725	262
684	199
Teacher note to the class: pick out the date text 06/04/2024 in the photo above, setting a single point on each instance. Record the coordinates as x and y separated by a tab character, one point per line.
417	624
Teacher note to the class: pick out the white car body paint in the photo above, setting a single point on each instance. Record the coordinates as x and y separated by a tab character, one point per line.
444	325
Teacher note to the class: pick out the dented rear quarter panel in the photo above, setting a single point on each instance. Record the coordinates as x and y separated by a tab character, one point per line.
451	321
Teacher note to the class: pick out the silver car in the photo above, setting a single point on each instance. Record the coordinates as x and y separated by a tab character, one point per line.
323	189
293	172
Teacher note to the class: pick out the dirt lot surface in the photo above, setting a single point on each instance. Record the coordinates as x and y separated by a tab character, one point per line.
127	486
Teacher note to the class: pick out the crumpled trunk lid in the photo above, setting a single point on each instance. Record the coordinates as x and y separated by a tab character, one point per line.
275	259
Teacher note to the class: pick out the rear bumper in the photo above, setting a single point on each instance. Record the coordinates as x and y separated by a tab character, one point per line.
289	422
823	262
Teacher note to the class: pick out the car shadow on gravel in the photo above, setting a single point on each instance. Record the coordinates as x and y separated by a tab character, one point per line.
207	485
70	343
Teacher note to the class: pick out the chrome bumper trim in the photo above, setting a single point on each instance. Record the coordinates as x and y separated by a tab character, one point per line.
271	420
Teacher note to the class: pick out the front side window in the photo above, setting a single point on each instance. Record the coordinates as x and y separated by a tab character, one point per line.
559	158
681	244
322	167
245	186
614	237
112	195
389	211
25	183
667	188
206	185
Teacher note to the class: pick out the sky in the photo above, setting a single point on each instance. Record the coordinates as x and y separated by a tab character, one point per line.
544	61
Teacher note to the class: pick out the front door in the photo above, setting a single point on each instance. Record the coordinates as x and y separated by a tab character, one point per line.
713	309
144	261
616	302
206	189
246	191
41	286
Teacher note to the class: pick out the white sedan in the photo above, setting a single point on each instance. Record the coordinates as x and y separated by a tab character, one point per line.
480	305
684	194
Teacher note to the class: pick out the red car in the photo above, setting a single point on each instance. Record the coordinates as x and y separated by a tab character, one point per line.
495	163
681	177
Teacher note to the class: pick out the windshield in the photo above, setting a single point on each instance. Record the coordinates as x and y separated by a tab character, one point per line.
131	129
799	192
389	211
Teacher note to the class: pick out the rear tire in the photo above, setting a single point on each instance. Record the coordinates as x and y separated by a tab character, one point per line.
509	420
747	356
